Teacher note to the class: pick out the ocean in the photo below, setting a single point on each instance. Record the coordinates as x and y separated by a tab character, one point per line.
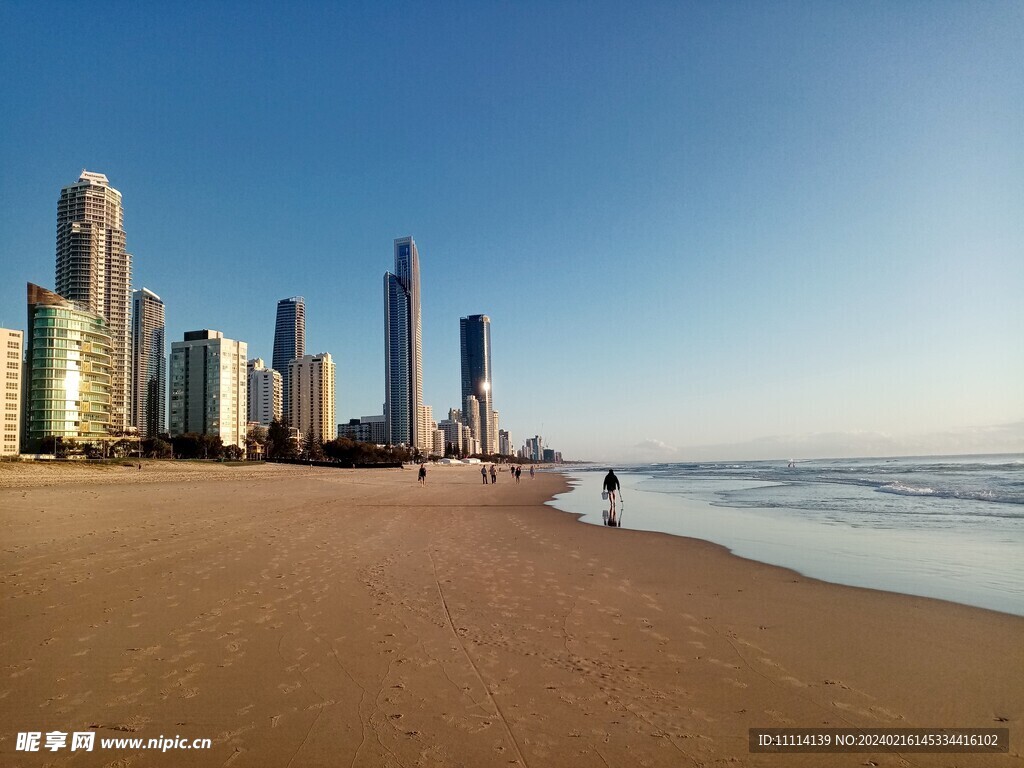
949	527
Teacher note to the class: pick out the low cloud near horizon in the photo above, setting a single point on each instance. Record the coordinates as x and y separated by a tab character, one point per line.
995	438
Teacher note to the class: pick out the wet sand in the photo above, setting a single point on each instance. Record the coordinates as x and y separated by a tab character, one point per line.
319	617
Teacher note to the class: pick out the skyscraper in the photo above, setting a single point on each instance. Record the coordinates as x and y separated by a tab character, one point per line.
403	350
312	404
67	371
149	367
475	337
289	341
94	269
209	386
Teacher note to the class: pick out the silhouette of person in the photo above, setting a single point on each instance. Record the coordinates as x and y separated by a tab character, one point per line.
611	485
483	474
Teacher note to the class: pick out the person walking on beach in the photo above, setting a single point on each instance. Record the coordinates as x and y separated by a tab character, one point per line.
611	485
519	471
531	472
483	473
494	474
422	480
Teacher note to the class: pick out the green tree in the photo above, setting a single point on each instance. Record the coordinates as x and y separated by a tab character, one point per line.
233	453
213	446
279	441
187	446
156	448
56	445
312	446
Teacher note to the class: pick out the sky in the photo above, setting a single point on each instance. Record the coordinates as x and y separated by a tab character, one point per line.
700	230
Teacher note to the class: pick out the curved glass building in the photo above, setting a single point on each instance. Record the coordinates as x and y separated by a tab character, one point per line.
67	371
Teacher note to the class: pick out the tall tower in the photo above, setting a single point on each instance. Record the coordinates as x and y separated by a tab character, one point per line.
94	269
149	364
289	341
475	338
403	350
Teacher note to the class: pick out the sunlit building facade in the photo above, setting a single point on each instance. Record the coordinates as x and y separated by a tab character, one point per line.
312	381
405	421
265	395
66	382
209	387
11	346
475	342
94	269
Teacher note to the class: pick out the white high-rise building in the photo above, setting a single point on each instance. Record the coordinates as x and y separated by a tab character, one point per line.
11	347
471	418
209	387
149	364
94	269
265	393
469	443
403	350
311	384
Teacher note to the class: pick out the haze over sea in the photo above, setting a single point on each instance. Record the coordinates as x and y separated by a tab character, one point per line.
949	527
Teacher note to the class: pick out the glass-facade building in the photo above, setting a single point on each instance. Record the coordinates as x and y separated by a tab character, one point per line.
149	364
67	377
475	341
289	341
404	416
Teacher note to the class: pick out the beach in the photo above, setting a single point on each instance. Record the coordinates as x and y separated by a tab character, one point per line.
305	616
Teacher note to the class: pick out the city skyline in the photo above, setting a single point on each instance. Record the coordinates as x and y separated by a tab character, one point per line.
701	232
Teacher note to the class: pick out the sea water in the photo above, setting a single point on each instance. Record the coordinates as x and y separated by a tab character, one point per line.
944	527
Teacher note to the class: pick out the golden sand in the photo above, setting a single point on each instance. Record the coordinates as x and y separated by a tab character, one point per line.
320	617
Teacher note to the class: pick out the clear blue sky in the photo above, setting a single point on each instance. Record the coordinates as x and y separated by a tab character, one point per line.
701	230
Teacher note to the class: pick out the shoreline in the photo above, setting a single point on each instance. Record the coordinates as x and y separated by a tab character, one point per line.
726	551
903	562
349	616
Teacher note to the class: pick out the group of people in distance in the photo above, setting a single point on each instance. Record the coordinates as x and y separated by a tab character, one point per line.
515	470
